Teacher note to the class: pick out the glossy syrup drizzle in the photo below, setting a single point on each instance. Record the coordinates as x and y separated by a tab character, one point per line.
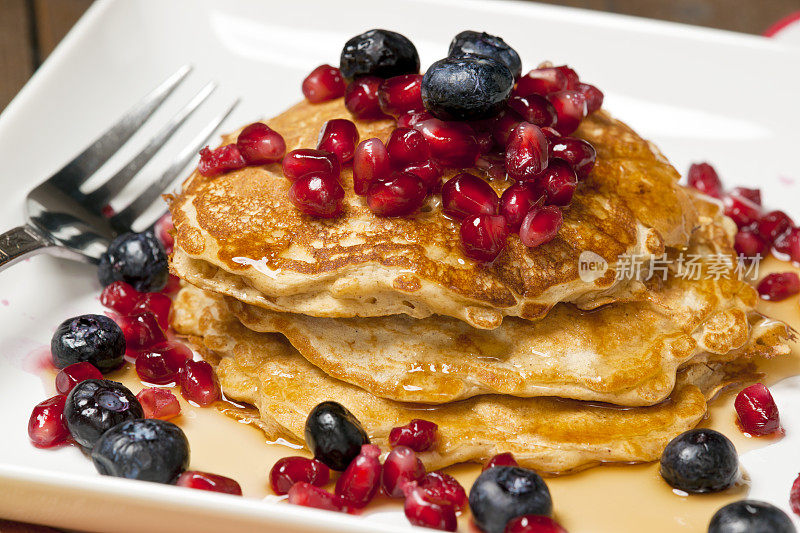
605	499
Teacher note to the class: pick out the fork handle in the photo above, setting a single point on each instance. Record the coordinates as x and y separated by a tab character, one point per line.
20	243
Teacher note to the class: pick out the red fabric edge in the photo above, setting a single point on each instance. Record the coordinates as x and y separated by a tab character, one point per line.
782	24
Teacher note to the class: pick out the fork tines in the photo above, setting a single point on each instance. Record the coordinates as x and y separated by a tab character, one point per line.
87	163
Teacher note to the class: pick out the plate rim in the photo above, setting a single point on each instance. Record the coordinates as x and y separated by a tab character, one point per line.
100	488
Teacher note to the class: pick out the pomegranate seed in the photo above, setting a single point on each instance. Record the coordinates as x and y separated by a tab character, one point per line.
559	182
754	195
533	523
466	195
290	470
741	210
789	243
497	171
485	141
757	412
534	109
484	124
141	331
223	159
299	163
163	363
360	482
794	245
748	244
339	136
570	106
401	94
73	374
495	168
398	196
794	496
439	486
163	229
370	163
46	427
580	154
159	403
517	201
452	144
324	83
526	152
483	237
424	513
361	98
429	172
570	75
504	125
594	97
541	81
501	459
173	285
540	226
259	144
778	286
406	147
704	178
120	297
412	118
400	467
192	479
308	495
199	383
158	304
419	435
318	195
552	136
773	224
487	161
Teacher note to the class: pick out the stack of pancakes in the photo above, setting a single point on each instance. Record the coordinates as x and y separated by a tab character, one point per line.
529	354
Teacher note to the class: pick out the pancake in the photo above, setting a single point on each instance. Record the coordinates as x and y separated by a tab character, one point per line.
551	435
361	265
625	354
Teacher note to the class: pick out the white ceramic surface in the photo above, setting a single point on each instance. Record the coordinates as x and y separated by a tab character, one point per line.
699	94
787	30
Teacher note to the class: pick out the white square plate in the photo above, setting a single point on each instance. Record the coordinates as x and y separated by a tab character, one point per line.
699	94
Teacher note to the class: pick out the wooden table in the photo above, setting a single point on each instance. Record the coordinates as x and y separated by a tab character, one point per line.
30	29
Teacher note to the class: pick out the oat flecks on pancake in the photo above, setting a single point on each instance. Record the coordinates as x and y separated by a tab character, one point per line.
363	265
624	353
548	434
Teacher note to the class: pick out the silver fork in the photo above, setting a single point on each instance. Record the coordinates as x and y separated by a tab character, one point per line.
62	220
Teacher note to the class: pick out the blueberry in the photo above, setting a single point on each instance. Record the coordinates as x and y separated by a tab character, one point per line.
750	516
96	405
148	450
505	492
379	53
700	460
138	259
483	44
94	339
466	88
334	435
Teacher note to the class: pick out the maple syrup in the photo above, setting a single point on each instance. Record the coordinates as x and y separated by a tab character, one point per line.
604	499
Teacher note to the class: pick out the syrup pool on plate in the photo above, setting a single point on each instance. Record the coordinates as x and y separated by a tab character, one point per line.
617	498
604	499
